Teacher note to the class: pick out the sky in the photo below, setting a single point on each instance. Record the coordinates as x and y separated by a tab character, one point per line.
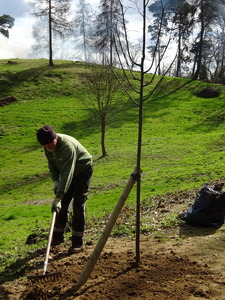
20	40
20	35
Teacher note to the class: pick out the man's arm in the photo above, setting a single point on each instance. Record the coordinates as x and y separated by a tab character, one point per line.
67	172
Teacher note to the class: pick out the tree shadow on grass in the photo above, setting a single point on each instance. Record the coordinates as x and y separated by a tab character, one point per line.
13	79
125	111
24	182
91	124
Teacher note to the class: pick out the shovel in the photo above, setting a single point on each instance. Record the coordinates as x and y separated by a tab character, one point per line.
45	275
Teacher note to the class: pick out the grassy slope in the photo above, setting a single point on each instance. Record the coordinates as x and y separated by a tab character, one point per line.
183	142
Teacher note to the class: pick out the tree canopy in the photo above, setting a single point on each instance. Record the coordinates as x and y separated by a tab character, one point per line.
6	23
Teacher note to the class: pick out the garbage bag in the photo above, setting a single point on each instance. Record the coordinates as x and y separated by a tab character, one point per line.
208	209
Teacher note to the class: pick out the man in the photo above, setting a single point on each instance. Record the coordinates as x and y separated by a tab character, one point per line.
70	166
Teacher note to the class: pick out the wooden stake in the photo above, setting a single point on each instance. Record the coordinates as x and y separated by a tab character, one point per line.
105	235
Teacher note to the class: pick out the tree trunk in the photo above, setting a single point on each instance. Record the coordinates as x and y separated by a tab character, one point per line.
103	124
50	33
200	46
178	71
111	38
139	143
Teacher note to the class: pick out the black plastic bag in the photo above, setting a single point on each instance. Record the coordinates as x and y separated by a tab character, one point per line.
208	210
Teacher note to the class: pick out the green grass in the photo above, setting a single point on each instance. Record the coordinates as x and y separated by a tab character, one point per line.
183	144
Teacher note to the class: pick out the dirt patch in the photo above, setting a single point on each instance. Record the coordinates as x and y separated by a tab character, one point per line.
179	262
7	100
176	265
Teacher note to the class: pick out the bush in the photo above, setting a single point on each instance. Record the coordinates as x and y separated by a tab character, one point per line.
209	92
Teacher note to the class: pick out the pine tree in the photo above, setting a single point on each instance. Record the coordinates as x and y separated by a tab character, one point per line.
83	28
108	28
6	23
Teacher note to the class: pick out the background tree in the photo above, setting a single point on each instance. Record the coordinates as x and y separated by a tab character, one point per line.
103	93
84	29
40	35
184	21
159	28
218	56
6	23
57	14
108	28
215	52
207	13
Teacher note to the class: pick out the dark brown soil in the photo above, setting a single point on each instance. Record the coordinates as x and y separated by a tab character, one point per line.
172	267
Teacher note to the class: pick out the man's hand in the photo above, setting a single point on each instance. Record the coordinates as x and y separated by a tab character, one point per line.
56	205
56	184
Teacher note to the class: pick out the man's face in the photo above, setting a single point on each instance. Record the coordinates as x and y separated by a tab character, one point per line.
51	147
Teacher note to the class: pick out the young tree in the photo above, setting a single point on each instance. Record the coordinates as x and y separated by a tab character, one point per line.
6	23
56	12
103	92
142	90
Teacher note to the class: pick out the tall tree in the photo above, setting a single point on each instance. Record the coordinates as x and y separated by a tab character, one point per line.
108	28
184	21
84	28
218	52
57	14
207	12
6	23
159	28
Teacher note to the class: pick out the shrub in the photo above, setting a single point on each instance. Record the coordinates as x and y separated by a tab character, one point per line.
209	92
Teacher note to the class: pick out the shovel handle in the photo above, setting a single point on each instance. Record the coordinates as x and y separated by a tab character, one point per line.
49	242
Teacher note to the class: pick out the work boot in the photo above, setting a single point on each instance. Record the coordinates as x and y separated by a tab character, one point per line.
57	238
77	245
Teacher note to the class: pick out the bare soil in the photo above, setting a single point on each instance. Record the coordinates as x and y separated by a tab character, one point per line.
175	265
181	262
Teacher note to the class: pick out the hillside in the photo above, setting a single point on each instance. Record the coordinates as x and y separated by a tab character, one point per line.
182	148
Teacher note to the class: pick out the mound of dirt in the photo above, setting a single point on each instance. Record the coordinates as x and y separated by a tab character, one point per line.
168	270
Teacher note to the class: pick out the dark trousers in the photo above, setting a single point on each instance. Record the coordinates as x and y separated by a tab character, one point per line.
78	192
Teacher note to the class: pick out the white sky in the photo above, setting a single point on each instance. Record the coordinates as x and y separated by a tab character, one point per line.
20	40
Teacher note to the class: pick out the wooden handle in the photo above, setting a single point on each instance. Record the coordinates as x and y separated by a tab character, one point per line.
49	242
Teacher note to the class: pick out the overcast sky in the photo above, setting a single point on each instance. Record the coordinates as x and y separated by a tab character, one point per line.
20	36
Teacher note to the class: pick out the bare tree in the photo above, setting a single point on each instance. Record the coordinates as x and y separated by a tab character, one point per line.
143	91
102	93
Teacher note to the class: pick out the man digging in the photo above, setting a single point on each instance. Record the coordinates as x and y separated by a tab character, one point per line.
71	169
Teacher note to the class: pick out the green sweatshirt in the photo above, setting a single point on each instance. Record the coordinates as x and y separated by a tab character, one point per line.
67	160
